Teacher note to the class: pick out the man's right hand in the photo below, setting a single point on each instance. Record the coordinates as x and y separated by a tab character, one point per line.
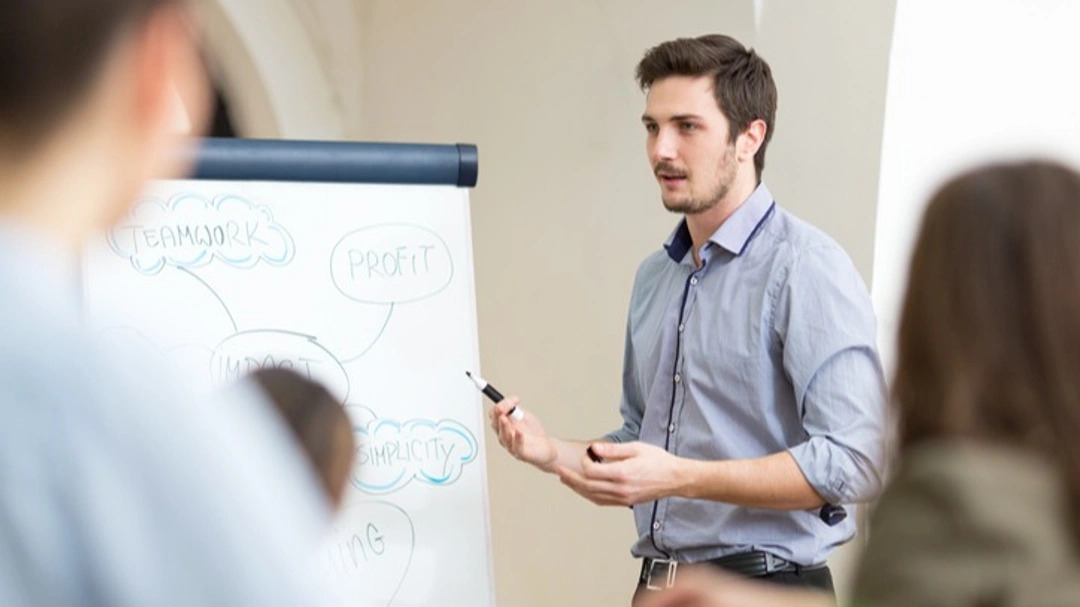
524	438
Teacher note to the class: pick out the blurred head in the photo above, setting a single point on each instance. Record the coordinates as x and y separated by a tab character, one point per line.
318	422
90	95
709	113
989	343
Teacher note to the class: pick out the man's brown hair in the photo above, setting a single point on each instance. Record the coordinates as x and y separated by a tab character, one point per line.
989	341
50	51
742	81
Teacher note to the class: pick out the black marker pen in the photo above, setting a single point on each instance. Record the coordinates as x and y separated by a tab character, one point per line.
495	396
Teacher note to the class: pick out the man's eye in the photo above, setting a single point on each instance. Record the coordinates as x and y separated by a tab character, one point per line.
687	126
650	128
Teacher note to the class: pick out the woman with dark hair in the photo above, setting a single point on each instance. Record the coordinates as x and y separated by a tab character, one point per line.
985	506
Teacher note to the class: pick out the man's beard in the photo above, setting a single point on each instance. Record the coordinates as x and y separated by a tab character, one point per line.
691	205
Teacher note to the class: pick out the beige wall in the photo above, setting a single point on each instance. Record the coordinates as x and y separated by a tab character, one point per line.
829	58
566	206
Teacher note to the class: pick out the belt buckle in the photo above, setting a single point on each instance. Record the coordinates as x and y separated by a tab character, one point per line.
774	564
666	567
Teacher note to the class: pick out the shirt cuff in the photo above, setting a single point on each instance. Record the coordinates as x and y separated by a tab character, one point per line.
827	469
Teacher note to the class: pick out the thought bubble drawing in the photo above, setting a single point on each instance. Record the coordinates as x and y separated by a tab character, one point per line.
369	550
190	231
391	263
391	453
248	351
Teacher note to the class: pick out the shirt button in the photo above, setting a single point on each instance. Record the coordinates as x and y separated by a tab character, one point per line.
693	280
678	378
671	428
656	526
681	327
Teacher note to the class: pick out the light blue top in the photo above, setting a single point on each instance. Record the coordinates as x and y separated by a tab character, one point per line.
116	488
769	346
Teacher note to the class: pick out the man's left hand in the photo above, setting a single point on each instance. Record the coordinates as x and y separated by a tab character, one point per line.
631	473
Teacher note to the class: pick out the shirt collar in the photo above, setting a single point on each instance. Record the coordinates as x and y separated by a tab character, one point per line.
732	235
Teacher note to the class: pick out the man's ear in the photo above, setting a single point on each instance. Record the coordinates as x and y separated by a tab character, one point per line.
171	89
750	140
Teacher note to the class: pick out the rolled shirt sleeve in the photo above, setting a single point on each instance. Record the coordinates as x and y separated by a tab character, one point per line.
825	321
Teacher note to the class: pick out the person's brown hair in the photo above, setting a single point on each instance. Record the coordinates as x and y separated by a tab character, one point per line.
742	81
50	51
318	422
989	342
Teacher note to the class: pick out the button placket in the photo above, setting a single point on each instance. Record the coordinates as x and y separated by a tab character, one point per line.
678	397
678	378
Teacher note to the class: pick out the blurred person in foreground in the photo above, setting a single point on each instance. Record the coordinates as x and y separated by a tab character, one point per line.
117	488
985	507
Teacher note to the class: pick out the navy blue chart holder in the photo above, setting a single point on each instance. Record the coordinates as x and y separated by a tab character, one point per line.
336	161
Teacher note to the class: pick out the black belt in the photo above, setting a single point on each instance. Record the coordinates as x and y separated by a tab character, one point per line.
658	574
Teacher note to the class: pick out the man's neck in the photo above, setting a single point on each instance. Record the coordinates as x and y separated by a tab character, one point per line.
703	225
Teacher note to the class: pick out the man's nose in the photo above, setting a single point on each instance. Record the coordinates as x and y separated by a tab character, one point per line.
664	147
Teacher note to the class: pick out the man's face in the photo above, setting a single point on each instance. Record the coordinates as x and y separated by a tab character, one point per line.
688	143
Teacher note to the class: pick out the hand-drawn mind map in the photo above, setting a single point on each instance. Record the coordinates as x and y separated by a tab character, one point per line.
386	264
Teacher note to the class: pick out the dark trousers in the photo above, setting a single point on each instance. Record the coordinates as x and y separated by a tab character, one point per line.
808	579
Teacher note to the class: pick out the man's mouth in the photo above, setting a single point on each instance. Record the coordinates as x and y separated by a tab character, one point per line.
670	178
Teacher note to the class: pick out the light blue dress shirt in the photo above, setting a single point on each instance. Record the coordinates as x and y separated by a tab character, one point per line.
116	488
768	347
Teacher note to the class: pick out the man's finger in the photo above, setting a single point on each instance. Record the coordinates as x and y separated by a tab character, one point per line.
517	439
616	451
617	472
508	434
504	433
504	406
598	498
572	478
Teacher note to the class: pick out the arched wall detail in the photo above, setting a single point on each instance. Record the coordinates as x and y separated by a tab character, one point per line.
273	74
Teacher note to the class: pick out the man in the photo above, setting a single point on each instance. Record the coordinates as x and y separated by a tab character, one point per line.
752	390
115	489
